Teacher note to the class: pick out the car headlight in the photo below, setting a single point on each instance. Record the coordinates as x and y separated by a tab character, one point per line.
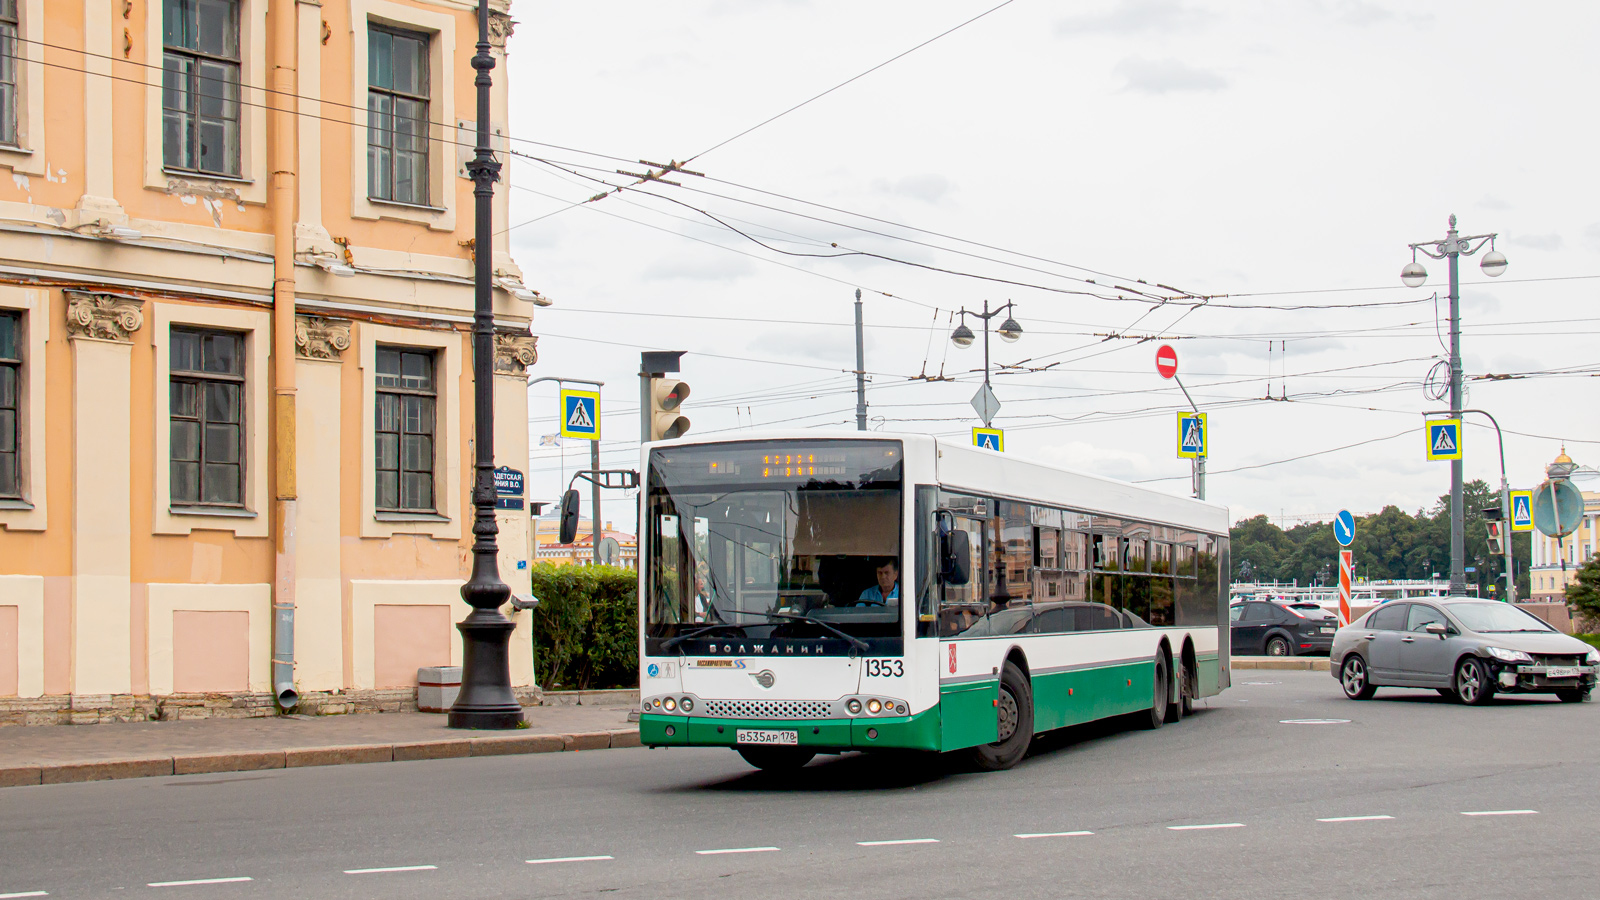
1511	656
1593	658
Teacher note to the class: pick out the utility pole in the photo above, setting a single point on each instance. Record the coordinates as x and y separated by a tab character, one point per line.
485	700
1451	249
861	372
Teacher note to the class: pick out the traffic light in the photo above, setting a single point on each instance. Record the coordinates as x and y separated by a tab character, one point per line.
1492	513
1497	544
666	397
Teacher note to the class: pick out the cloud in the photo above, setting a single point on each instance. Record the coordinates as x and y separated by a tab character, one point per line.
929	187
1493	203
1550	241
1358	13
1138	17
696	266
1166	76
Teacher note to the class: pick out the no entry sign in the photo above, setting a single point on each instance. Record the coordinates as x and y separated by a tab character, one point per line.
1167	361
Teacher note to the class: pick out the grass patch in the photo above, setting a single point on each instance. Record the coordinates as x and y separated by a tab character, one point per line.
1592	640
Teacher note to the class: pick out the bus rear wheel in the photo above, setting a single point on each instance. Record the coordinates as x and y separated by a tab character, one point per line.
776	759
1158	703
1014	712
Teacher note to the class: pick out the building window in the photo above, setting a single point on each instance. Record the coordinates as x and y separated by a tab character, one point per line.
404	426
200	86
397	116
8	72
10	405
207	411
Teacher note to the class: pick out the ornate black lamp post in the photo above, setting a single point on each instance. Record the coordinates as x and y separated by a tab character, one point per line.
486	700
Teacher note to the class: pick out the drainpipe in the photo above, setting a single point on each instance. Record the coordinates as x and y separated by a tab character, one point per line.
282	162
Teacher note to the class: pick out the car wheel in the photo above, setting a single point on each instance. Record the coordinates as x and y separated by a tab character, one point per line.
776	759
1473	684
1448	694
1353	678
1015	726
1573	695
1278	645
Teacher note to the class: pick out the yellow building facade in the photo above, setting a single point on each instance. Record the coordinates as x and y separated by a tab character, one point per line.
235	353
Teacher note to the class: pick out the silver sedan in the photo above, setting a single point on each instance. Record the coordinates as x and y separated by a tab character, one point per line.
1465	648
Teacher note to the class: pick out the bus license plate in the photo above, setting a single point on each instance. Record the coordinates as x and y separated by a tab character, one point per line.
763	736
1561	672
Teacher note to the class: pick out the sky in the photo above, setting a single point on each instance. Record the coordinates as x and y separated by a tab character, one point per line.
1277	158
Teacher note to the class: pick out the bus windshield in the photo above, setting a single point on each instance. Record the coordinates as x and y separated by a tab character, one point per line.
794	545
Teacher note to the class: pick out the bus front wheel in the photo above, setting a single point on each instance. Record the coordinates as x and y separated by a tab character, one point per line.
1014	711
776	759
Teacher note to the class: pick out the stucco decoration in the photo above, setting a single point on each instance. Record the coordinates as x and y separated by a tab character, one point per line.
103	317
515	353
316	337
500	27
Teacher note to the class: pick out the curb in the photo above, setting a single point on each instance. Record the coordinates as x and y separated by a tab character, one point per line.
257	760
1291	663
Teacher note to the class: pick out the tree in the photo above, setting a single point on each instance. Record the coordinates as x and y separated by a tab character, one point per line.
1584	595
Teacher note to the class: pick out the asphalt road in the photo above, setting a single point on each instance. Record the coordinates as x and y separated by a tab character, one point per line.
1230	802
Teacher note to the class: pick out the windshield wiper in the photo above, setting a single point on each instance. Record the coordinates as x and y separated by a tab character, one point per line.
863	645
677	639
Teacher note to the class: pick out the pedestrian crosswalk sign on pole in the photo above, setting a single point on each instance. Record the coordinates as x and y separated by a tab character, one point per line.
989	439
1193	437
580	414
1522	510
1444	439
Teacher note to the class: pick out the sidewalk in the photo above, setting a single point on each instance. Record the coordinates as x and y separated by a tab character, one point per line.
64	753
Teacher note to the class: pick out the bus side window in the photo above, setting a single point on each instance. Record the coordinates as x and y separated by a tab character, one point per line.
963	605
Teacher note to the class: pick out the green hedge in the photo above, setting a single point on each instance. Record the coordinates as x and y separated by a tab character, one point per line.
586	627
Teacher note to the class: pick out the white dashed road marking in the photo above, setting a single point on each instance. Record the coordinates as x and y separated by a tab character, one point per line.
389	869
1503	812
562	859
737	850
1205	827
199	881
1355	818
1313	721
893	843
1054	834
24	894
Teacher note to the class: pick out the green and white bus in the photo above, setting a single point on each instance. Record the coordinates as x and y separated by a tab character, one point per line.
804	594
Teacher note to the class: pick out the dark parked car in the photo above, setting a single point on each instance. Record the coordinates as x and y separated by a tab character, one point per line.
1269	629
1465	648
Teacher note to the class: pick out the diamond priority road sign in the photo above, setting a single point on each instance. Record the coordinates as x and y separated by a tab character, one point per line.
986	404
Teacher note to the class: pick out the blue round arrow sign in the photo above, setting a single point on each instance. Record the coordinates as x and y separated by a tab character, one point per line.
1344	527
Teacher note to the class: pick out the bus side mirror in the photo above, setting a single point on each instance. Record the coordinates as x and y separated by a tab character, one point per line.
569	516
955	557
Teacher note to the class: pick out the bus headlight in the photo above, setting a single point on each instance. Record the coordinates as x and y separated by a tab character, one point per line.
688	704
873	706
670	704
854	706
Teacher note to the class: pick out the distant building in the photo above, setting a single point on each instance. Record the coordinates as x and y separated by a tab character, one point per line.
1556	561
581	551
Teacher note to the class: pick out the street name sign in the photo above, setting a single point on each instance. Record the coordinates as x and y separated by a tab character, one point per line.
989	439
1193	436
1166	361
1444	439
1522	510
580	414
1344	528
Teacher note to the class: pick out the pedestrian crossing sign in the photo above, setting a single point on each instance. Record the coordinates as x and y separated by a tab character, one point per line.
989	439
1444	439
1193	437
1522	510
580	414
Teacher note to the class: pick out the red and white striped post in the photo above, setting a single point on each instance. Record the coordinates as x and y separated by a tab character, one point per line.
1347	566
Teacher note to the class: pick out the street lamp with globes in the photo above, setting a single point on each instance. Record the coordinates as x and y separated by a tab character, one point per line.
1009	332
1452	248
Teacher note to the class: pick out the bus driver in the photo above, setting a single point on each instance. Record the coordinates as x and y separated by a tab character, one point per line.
886	589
